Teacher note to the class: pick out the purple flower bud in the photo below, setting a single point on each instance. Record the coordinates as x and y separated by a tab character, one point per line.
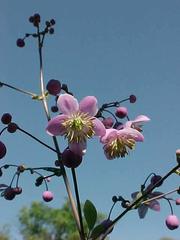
52	21
2	150
71	160
178	201
31	19
106	223
155	179
53	87
108	122
47	196
121	112
51	30
6	118
132	98
172	222
9	193
20	42
12	127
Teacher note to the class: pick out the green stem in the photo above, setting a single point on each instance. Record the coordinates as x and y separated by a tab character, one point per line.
78	201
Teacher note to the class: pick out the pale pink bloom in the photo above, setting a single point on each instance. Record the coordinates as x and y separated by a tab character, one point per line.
118	142
77	121
138	122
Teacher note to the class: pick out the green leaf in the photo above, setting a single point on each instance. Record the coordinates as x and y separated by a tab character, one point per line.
90	214
97	231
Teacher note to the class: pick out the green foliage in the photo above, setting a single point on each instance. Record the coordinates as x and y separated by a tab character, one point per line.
90	214
40	222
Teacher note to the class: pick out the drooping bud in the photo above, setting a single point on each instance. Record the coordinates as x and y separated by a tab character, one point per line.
178	201
156	179
47	196
6	118
20	42
121	112
12	127
53	87
108	122
71	160
132	98
9	193
172	222
2	150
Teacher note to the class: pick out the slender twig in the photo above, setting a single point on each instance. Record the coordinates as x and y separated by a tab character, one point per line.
18	89
44	101
78	201
138	200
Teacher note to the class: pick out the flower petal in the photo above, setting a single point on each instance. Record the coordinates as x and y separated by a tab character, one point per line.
154	205
110	134
131	133
142	210
55	126
89	105
78	148
99	127
67	104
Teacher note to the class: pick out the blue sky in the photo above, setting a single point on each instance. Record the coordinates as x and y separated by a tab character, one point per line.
109	49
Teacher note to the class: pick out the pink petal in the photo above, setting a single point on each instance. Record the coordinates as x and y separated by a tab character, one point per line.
110	134
78	148
67	104
55	127
89	105
131	133
141	118
154	205
99	127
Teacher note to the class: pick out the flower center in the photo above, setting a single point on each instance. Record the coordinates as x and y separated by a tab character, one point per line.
119	147
78	126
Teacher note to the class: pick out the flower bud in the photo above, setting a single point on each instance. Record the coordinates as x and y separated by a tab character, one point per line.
9	193
2	150
71	160
47	196
53	87
108	122
172	222
20	42
121	112
155	179
12	127
132	98
106	223
178	201
6	118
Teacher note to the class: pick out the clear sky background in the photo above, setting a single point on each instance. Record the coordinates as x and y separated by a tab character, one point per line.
109	49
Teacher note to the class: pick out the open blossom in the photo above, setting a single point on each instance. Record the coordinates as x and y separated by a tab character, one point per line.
77	121
143	207
118	142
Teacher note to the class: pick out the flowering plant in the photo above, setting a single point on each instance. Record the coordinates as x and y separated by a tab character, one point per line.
78	122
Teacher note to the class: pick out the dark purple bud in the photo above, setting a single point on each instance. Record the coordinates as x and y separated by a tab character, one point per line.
37	19
53	22
53	87
51	30
31	19
71	160
121	112
172	222
114	199
12	127
156	179
106	223
17	190
47	196
108	122
6	118
132	98
20	42
2	150
48	24
54	109
9	193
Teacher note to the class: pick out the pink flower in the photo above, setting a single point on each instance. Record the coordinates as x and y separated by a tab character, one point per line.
118	142
138	122
77	121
